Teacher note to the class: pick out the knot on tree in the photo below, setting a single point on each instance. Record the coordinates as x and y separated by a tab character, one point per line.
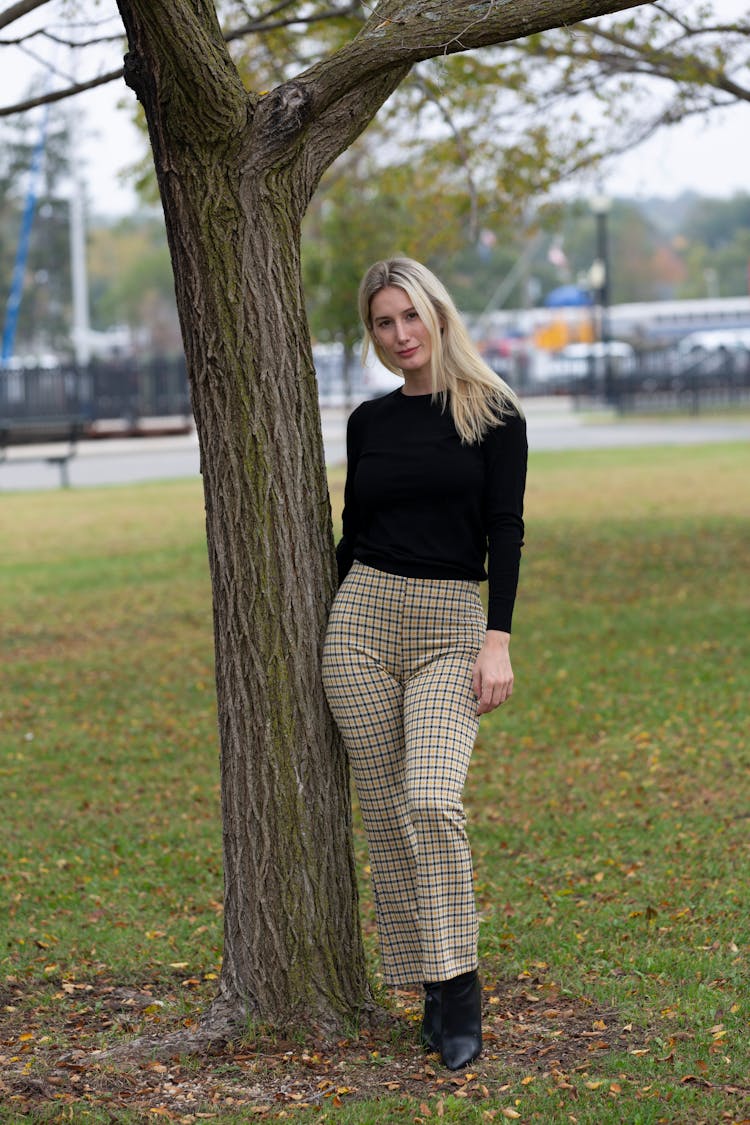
288	109
135	73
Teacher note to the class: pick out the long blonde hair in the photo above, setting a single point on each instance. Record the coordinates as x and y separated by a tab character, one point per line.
478	397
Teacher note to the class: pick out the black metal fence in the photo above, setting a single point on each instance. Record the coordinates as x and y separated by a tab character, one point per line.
114	395
129	396
133	392
666	381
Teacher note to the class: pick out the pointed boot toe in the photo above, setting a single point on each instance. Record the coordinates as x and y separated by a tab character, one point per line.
461	1038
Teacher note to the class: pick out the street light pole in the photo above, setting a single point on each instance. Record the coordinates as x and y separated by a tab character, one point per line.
600	205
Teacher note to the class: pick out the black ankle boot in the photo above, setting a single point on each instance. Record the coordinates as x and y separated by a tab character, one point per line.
431	1023
461	1025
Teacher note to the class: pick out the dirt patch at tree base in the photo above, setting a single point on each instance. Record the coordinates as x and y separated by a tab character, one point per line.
52	1052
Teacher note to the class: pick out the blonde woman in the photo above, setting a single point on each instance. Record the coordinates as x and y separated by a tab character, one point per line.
435	483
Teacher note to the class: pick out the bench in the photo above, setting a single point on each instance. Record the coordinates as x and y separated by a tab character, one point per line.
58	433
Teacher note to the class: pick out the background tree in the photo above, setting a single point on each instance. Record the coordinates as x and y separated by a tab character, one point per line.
715	240
362	213
131	283
509	128
646	69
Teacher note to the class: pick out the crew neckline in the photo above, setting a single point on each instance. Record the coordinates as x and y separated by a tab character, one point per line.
401	393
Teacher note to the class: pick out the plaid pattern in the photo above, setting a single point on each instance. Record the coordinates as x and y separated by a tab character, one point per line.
397	674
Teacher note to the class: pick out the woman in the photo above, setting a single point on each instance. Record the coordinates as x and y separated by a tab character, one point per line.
435	482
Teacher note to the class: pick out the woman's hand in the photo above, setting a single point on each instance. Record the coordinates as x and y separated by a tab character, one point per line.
492	675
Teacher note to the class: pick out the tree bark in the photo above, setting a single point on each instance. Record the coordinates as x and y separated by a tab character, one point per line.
236	172
292	947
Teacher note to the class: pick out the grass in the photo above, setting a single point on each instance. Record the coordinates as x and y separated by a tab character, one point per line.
608	806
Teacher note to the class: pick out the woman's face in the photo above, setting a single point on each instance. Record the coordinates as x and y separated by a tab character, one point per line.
401	335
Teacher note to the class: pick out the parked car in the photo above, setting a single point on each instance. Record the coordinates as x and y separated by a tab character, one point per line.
731	340
576	362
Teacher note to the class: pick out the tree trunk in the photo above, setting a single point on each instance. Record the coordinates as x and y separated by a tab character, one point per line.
292	947
292	944
236	171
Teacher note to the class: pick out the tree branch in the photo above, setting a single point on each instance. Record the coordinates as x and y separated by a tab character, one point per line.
10	15
258	26
41	32
338	127
60	95
666	64
281	6
325	103
691	31
399	33
471	188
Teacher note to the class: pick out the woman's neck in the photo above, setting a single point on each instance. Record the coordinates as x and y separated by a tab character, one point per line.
417	383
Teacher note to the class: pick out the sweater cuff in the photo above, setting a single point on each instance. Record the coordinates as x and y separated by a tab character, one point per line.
500	614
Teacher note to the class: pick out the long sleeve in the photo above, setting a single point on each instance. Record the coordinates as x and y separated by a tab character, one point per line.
349	521
420	502
506	455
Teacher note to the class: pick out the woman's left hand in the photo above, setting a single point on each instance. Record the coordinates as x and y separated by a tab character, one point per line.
492	675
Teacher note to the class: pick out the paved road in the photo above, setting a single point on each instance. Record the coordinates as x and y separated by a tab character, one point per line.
553	424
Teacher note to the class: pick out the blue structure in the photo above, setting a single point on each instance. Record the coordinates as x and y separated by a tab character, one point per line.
567	297
19	268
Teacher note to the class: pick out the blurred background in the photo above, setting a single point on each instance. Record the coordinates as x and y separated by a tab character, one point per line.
588	208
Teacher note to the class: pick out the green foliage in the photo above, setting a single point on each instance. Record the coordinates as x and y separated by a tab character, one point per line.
490	136
716	222
716	247
647	68
642	264
131	282
364	214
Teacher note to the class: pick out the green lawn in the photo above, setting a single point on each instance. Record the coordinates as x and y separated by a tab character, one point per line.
609	809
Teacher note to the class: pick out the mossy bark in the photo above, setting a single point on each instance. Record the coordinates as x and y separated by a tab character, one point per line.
292	947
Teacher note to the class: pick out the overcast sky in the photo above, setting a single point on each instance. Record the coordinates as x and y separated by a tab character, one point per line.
711	157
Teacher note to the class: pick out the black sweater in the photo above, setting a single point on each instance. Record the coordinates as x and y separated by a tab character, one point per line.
419	503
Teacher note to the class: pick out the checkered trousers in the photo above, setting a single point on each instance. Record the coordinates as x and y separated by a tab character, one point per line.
397	669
